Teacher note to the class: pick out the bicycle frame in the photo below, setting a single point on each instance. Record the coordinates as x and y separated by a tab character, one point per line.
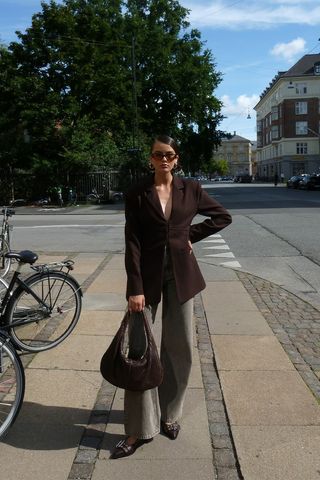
5	230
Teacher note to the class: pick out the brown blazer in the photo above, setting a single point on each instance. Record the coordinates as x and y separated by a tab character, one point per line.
147	233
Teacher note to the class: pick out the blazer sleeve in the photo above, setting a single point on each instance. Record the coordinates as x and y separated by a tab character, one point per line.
207	206
133	246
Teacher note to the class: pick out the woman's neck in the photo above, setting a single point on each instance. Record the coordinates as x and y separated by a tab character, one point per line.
164	180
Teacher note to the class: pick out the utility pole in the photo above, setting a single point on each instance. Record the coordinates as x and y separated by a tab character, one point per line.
317	135
134	95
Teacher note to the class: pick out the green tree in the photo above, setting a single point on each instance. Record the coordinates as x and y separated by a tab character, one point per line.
218	166
91	79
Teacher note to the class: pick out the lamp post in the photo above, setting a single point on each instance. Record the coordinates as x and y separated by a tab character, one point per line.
317	135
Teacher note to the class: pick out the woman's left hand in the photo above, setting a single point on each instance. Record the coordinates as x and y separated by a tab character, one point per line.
190	246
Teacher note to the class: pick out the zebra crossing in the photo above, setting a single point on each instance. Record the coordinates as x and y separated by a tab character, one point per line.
215	247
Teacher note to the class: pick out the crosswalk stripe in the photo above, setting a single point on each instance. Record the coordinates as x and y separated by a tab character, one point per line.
214	240
221	255
232	264
217	247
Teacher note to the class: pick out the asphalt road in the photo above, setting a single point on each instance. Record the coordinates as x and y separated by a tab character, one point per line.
274	235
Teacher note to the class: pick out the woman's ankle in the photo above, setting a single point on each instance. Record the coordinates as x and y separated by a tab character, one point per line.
131	440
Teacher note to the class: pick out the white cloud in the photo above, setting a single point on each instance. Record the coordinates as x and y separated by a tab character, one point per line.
247	14
289	50
240	107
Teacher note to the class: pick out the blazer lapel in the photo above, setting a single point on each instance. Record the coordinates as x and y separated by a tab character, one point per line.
177	195
152	197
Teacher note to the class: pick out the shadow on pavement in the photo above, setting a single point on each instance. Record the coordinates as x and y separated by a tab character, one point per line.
42	427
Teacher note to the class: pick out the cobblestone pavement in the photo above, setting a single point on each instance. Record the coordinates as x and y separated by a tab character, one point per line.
295	323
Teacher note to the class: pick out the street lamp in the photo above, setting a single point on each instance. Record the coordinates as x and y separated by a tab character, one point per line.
317	135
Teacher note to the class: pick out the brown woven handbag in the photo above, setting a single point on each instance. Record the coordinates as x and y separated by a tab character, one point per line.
137	374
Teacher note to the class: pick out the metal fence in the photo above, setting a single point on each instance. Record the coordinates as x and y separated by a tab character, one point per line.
102	183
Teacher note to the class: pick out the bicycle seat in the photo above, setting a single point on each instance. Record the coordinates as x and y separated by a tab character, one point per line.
26	256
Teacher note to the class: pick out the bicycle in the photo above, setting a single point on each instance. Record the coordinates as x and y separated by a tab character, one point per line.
40	311
5	262
12	383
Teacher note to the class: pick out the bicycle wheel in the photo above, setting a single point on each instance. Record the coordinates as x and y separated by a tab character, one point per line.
12	383
5	262
35	327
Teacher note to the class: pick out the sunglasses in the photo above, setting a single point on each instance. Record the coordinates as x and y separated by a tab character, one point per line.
160	155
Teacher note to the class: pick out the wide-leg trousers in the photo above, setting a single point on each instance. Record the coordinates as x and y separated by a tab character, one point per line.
144	410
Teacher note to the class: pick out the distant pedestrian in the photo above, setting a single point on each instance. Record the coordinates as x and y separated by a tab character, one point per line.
160	262
59	196
72	196
282	177
276	179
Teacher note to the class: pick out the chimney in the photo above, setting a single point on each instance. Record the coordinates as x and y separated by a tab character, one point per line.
234	133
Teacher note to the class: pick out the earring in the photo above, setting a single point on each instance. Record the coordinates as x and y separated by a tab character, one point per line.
151	167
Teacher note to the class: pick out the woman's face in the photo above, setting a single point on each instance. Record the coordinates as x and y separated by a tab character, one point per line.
163	157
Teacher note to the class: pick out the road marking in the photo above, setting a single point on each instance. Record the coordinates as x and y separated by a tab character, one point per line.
216	238
221	255
217	247
231	264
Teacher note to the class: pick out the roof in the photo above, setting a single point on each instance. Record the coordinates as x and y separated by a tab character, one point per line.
236	138
304	66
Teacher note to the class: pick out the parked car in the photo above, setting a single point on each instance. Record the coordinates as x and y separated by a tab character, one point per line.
19	202
310	182
243	178
116	196
293	182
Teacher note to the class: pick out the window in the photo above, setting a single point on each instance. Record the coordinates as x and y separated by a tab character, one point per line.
301	88
275	131
301	108
259	126
317	68
302	148
274	112
301	128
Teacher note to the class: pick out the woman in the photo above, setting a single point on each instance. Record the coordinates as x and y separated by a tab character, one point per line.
159	261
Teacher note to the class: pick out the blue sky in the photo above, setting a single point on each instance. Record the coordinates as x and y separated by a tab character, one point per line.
251	40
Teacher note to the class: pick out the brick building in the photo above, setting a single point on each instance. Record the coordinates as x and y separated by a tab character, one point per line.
288	121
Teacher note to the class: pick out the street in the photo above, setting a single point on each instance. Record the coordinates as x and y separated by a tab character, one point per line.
274	235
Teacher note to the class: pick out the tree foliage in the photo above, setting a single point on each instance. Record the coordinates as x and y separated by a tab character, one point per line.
91	78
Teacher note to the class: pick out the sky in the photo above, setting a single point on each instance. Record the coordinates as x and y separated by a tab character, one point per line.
250	40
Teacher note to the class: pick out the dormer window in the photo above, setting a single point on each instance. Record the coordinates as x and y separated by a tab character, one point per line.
317	68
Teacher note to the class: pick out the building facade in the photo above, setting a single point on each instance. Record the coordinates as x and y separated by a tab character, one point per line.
288	121
237	152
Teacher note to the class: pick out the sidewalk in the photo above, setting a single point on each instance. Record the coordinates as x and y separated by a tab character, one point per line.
248	413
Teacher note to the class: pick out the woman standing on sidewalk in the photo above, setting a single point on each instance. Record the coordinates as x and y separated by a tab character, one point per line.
159	261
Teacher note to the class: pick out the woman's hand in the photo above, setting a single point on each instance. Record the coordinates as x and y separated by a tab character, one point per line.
136	303
190	246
